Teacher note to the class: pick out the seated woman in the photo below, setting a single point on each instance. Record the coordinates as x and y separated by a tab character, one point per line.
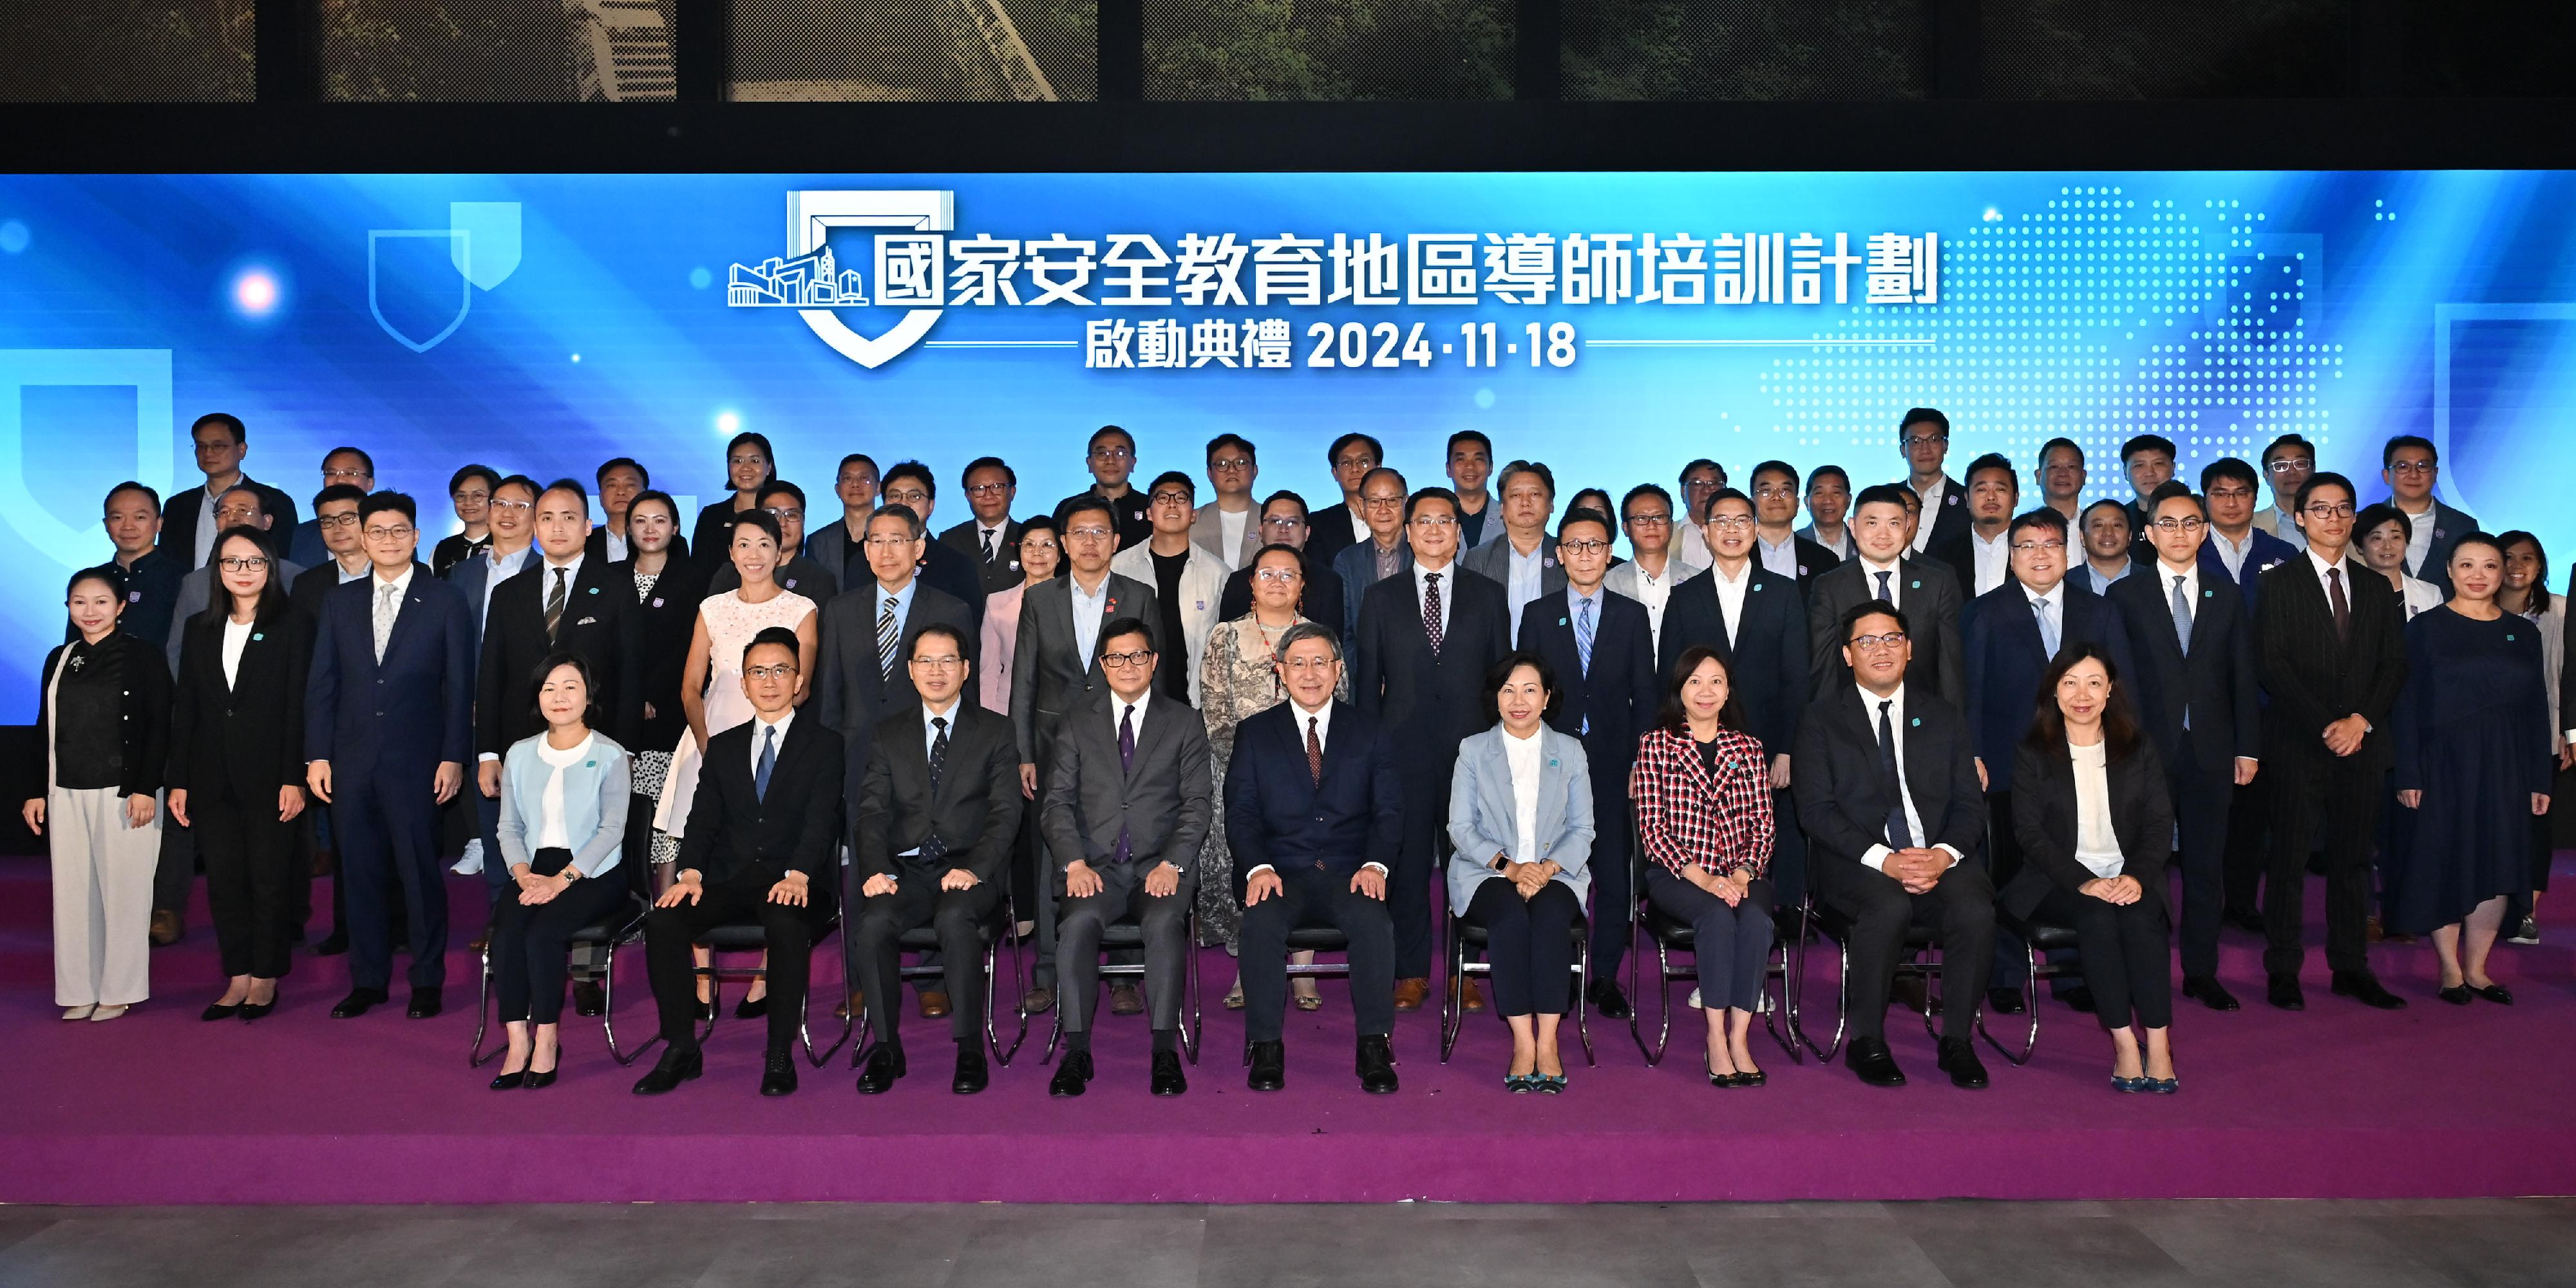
2095	824
1703	793
1520	824
564	796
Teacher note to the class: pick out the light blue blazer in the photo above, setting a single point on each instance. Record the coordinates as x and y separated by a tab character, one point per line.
1483	819
597	789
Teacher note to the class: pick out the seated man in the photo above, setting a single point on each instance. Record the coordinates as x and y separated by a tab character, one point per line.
1313	811
759	847
1127	806
939	809
1887	792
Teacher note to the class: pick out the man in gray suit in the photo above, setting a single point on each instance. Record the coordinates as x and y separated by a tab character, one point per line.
1363	564
1924	588
1524	562
1055	666
1128	802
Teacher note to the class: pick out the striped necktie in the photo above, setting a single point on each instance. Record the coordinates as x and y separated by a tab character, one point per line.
886	640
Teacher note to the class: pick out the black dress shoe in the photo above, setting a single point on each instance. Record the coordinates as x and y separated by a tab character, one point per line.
751	1008
1269	1066
2496	993
510	1081
1073	1076
1376	1065
972	1075
2003	1001
424	1003
588	998
357	1003
885	1064
331	945
1959	1060
1168	1078
2206	990
778	1073
674	1068
2283	991
1876	1065
1607	1001
2364	987
2078	997
2456	995
540	1081
219	1011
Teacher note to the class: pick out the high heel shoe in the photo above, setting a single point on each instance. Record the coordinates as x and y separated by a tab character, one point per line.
510	1081
2132	1086
537	1081
751	1008
220	1011
706	1010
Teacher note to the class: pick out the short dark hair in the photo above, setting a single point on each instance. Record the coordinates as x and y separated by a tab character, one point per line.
862	458
1586	514
1189	487
1724	494
359	452
778	636
890	510
1304	515
1420	495
379	502
1654	490
535	488
338	492
1040	523
1884	494
1866	609
579	493
258	495
231	423
131	486
1233	440
1009	476
2055	443
2168	490
2042	517
2148	443
1774	467
1500	674
2288	440
2372	516
2323	478
1377	450
589	686
1375	470
909	470
1545	475
1086	503
642	475
1476	436
761	520
1105	431
1821	472
1672	715
2120	507
955	637
2388	452
1916	415
1992	461
1122	627
2229	467
491	478
776	486
1702	463
1278	548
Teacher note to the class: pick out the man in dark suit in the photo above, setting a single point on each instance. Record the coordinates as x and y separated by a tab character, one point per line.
1055	666
1312	812
1383	553
1283	523
341	467
1602	649
188	524
389	708
1523	561
836	543
2239	550
866	636
2191	679
1981	555
1128	804
1337	527
1923	588
2332	652
937	814
1923	438
239	506
620	480
759	848
989	536
909	483
1111	458
335	512
2409	466
1776	542
1425	637
1887	791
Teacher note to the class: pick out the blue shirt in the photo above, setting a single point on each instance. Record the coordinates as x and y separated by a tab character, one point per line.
1088	609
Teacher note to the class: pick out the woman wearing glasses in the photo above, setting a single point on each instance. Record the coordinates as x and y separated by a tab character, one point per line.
749	466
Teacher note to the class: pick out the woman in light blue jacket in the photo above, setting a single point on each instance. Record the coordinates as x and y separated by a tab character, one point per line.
563	825
1520	824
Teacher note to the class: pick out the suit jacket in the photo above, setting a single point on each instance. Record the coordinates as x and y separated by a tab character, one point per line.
1277	815
942	565
1164	800
1429	701
1049	673
1929	595
1814	560
1202	587
180	512
975	812
1768	656
197	590
470	578
2005	660
1356	568
1004	571
1207	530
1842	800
1494	560
1848	551
1618	696
247	734
667	619
304	545
2313	678
1953	518
145	744
2267	552
2215	682
407	714
312	587
1324	600
2044	814
600	625
853	696
1484	818
734	828
1328	532
1960	556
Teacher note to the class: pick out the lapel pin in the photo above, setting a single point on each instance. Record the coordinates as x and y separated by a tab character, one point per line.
256	636
594	590
1914	585
1560	621
657	601
1914	722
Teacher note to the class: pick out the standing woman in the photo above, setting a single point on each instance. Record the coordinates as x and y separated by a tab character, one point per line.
2092	813
237	763
1703	792
2526	582
1239	677
564	796
2471	740
103	718
1040	555
749	466
2382	531
1520	833
668	587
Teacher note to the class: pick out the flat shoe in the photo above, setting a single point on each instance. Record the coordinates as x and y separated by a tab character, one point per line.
220	1011
2131	1085
1309	1001
1234	998
1751	1078
1549	1083
77	1012
106	1013
2163	1086
2496	993
1517	1083
2456	994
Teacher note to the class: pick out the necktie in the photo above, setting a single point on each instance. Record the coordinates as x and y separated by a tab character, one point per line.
934	849
768	761
1885	596
1431	611
2047	626
2342	606
1126	761
1314	751
1899	835
988	545
2182	615
386	607
555	603
885	640
1583	635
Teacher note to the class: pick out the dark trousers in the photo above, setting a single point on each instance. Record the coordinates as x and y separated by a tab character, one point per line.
1042	972
1165	920
958	917
1961	907
1317	896
1613	890
2249	826
1733	945
1408	887
2125	959
397	909
669	934
1788	879
387	821
487	817
2011	967
249	857
2201	799
531	946
2339	801
1529	943
177	868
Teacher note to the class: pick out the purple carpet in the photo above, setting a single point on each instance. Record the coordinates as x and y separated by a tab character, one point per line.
2337	1102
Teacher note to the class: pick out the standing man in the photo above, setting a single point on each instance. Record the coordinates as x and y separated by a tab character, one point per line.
188	522
2332	650
620	480
989	536
340	465
2148	460
2239	550
388	728
2287	463
335	509
2194	688
1424	640
1923	438
943	565
1111	458
1829	494
1652	571
840	545
1524	561
151	574
1602	650
1383	554
866	635
2060	478
2409	467
1228	526
1923	589
1339	526
1775	542
1699	481
2110	548
1980	556
1283	522
1471	462
1188	582
513	515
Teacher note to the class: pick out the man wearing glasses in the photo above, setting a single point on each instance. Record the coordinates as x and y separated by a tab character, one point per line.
1386	552
349	465
2409	466
1188	580
1283	522
1229	527
840	544
1923	438
1775	541
335	510
512	515
867	631
1339	526
2287	463
909	483
797	571
241	505
1653	570
989	536
1923	589
2239	548
1111	458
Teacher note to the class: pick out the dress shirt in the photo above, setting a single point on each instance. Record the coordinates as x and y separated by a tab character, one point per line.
2190	574
784	720
1524	583
2231	554
2277	521
1876	855
502	568
347	576
1655	592
1931	497
550	803
1120	707
1088	607
2343	566
236	638
1869	572
1781	558
401	586
2101	581
1690	550
1384	557
1994	559
1522	755
902	597
1359	526
2055	598
545	587
1730	596
1323	724
616	544
2419	536
206	529
1841	546
929	738
1448	590
2097	845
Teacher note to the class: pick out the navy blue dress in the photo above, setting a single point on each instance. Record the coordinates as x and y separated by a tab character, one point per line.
2474	737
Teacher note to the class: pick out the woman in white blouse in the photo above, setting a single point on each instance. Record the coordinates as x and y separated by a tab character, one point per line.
2091	811
2383	531
564	795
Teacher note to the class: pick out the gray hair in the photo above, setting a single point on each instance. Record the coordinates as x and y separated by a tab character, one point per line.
1304	631
911	517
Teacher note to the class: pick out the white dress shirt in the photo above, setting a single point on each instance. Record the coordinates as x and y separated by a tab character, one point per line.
1730	596
2231	554
1994	559
1869	572
1120	708
617	548
2419	536
1655	592
2343	566
236	638
1448	590
1690	550
383	621
757	725
2055	598
1876	855
1932	497
2097	845
502	566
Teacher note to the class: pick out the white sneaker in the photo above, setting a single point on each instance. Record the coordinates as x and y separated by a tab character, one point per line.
1694	999
106	1013
471	863
77	1012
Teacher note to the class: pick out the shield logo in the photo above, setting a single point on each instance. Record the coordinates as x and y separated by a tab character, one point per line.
811	216
376	238
489	251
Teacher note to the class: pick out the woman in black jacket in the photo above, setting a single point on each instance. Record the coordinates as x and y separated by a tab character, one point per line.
2095	824
237	764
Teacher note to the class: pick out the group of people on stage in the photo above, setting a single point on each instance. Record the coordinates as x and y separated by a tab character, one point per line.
1928	711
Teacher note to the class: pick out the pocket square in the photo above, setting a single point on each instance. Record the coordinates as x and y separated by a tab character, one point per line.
587	621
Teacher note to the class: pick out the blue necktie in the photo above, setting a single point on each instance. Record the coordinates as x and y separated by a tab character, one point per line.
1899	836
2047	627
768	761
1583	647
1885	596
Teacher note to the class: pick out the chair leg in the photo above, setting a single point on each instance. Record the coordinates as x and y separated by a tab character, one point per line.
1842	1008
608	1014
1582	1001
1637	997
475	1058
1055	1034
1190	1035
1931	975
2029	1006
1793	988
842	928
1452	996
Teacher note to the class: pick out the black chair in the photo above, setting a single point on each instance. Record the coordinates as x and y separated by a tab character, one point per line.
2039	939
1826	919
1671	934
1465	935
996	930
1312	939
751	937
1125	934
624	925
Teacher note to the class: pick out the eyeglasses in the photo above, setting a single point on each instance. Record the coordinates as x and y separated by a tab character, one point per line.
1731	522
2034	547
2337	510
2291	464
943	662
1113	453
908	496
1650	520
2410	467
1582	547
1283	522
1231	463
469	495
1308	663
1169	498
1281	576
1776	492
1381	502
2187	523
1088	534
238	563
1925	440
1355	463
1433	522
2231	493
890	543
343	476
513	506
389	534
747	458
1875	643
782	671
1137	658
1703	485
783	513
987	489
336	520
862	480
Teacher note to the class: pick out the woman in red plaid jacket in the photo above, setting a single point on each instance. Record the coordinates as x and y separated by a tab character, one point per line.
1703	793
